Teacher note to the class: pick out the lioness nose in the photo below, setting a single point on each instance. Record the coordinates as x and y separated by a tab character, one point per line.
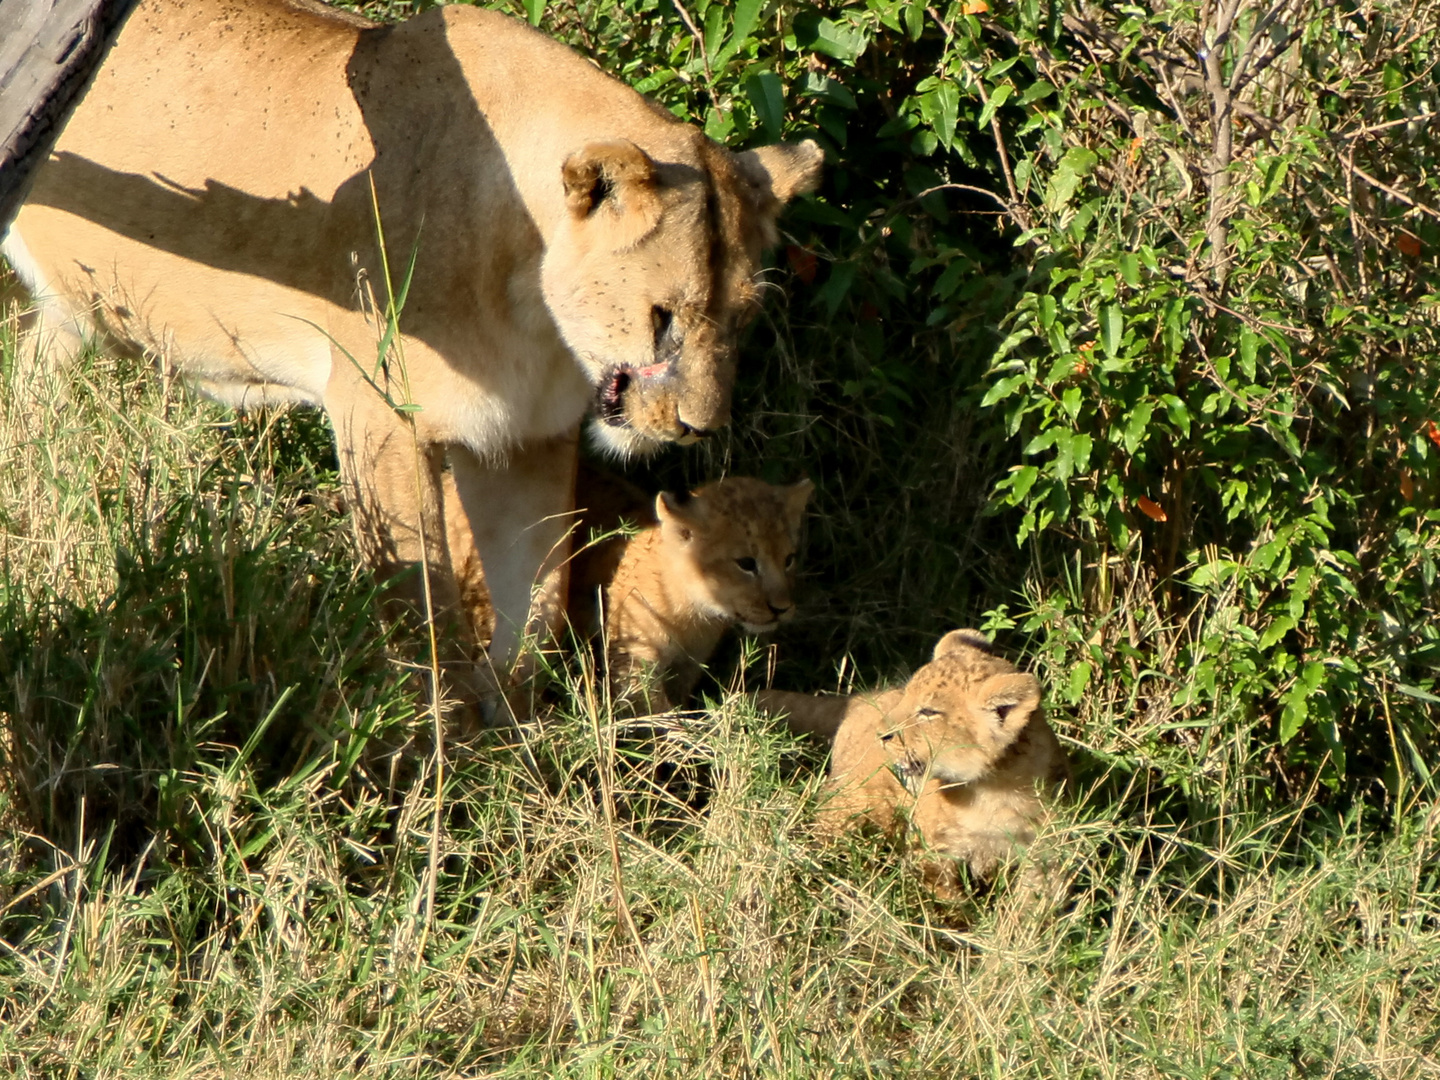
778	611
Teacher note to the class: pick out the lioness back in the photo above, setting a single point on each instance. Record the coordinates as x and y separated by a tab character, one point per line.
723	555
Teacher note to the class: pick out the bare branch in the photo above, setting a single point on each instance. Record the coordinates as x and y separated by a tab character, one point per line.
1380	185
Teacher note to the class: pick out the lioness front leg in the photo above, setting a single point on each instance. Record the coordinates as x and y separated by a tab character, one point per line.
392	482
516	516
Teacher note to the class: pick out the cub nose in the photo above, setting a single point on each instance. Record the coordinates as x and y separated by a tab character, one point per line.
778	612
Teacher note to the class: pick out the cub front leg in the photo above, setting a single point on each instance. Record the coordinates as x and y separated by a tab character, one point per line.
392	479
513	519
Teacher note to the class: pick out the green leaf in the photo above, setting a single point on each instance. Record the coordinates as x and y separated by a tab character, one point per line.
1137	425
1293	718
714	29
768	97
998	97
1074	167
1130	269
1276	630
747	14
1418	694
1006	347
940	109
1022	480
1275	176
834	291
1112	324
534	9
1064	453
822	35
1003	389
1047	311
1035	91
1249	346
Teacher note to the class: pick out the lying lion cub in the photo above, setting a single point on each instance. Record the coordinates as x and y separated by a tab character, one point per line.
962	749
722	555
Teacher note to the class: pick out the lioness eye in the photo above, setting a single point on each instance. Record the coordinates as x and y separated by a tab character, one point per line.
660	319
789	560
747	564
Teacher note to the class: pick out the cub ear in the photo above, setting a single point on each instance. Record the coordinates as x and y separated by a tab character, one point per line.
675	512
796	497
785	169
957	641
1008	701
617	176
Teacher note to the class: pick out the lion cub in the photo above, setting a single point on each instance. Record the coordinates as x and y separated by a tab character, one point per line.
963	749
724	554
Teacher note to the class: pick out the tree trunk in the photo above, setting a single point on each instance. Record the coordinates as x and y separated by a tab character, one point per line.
49	49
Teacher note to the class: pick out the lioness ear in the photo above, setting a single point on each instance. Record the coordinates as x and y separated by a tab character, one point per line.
960	640
615	175
785	169
1008	701
796	496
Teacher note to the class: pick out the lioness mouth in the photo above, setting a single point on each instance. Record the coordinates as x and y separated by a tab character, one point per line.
609	397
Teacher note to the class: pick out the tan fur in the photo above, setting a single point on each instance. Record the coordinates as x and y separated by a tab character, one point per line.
967	737
681	582
210	202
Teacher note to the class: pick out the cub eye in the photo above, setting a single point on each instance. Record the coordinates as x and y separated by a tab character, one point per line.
748	565
925	712
789	560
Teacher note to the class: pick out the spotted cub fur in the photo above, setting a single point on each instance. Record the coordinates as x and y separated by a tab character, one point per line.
962	751
723	555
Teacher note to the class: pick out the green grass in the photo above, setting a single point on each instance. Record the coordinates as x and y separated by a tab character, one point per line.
218	838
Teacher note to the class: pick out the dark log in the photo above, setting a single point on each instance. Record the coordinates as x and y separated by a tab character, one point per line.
49	49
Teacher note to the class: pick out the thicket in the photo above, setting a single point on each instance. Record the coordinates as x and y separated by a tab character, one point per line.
1114	320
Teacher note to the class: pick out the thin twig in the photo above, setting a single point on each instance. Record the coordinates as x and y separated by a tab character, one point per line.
1388	190
1371	129
704	53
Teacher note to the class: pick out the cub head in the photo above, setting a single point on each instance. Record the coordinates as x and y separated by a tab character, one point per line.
731	545
958	714
650	275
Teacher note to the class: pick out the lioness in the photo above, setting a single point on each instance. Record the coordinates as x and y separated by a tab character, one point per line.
962	750
216	199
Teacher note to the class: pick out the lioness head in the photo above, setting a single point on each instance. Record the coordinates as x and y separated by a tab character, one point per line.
650	276
734	543
958	714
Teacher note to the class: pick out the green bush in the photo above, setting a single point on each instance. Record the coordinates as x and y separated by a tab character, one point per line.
1162	310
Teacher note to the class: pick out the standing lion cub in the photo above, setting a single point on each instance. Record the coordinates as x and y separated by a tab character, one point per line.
722	555
962	750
